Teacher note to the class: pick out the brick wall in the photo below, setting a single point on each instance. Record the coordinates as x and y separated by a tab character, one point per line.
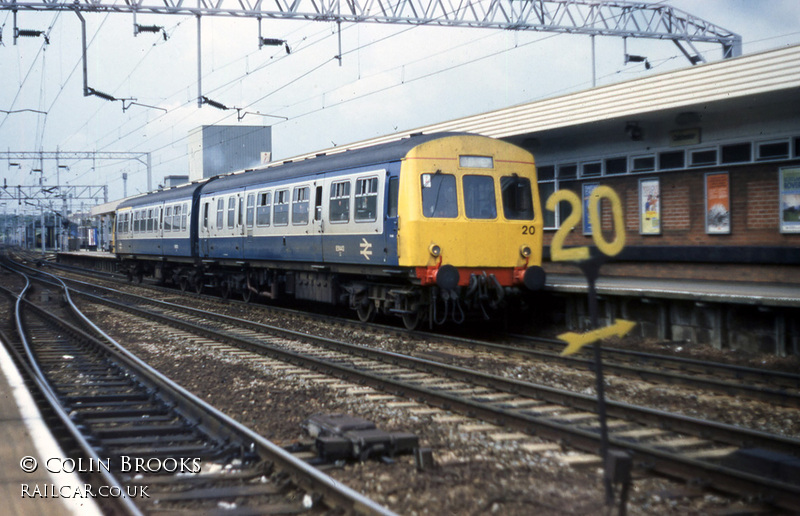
754	208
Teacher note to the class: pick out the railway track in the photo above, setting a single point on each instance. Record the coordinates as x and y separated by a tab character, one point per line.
775	387
661	442
162	449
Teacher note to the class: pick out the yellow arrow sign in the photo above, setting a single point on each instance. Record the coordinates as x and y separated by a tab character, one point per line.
576	341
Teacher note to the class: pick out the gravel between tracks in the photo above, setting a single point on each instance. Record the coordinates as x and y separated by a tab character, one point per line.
473	475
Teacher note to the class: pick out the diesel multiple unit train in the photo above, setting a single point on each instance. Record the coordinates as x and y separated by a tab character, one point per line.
430	227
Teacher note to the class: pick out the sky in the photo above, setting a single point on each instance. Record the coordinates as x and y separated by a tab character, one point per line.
391	78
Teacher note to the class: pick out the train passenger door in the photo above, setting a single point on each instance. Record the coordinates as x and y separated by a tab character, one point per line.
317	220
204	230
390	227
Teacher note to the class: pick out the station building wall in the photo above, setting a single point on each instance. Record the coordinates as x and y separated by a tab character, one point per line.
755	249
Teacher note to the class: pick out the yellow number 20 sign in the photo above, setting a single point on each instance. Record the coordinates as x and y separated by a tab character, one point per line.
613	248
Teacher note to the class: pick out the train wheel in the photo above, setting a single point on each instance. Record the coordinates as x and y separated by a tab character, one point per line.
198	284
247	294
183	283
411	321
366	312
225	290
139	277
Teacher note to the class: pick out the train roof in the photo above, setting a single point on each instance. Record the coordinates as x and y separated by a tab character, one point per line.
387	152
170	194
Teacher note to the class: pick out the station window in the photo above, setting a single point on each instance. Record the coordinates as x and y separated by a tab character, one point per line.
737	153
300	206
700	158
591	169
168	218
263	209
773	150
545	173
615	166
231	211
339	207
281	208
366	199
517	197
567	171
251	210
671	160
545	191
220	213
643	164
479	199
439	197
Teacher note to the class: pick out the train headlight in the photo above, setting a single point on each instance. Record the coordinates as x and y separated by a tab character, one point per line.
525	251
435	250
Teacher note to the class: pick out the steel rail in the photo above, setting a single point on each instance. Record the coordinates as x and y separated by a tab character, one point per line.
305	476
723	478
731	385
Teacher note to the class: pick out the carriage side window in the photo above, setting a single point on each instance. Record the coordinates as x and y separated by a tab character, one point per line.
439	197
251	210
168	218
281	208
150	220
205	215
300	206
517	197
136	222
366	199
231	211
176	221
240	213
392	200
479	200
339	208
262	212
184	216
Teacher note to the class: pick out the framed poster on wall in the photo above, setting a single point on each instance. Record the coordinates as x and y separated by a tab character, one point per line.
790	200
649	207
718	204
588	188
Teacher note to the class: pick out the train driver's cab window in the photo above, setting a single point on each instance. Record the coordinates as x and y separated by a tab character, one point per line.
479	200
263	209
205	215
366	199
300	206
220	213
517	197
439	197
339	209
281	208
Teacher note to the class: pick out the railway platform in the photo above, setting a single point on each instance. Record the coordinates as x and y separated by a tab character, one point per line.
26	436
739	315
